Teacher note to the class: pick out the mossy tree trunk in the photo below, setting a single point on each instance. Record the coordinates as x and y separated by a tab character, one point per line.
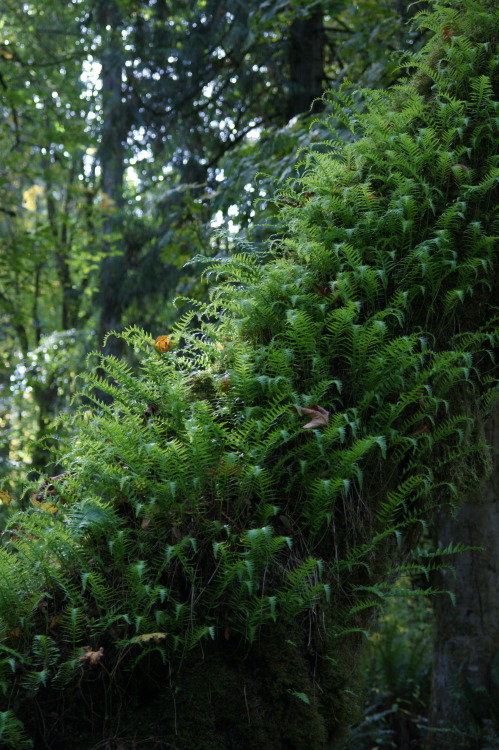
281	693
466	635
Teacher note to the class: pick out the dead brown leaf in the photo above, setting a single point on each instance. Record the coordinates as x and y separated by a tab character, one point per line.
93	657
320	417
155	637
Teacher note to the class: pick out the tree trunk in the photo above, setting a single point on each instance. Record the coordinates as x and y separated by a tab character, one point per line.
5	407
45	397
288	691
466	636
306	61
114	133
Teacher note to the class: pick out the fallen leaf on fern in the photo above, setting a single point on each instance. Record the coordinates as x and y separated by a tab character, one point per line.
320	417
93	657
47	507
163	344
155	637
225	382
5	498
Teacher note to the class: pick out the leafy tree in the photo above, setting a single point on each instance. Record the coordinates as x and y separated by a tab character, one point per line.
231	522
49	224
124	171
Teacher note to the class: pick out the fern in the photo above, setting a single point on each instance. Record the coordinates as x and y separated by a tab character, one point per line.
200	506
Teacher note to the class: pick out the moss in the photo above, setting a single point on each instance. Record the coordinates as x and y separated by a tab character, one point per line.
202	386
278	694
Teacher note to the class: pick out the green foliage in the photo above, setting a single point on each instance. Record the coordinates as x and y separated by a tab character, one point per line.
105	196
41	385
12	733
396	672
274	467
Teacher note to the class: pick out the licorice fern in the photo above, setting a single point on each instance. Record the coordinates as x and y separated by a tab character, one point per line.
274	468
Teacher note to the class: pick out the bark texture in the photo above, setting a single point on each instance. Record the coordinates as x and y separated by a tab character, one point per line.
466	636
115	127
306	63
